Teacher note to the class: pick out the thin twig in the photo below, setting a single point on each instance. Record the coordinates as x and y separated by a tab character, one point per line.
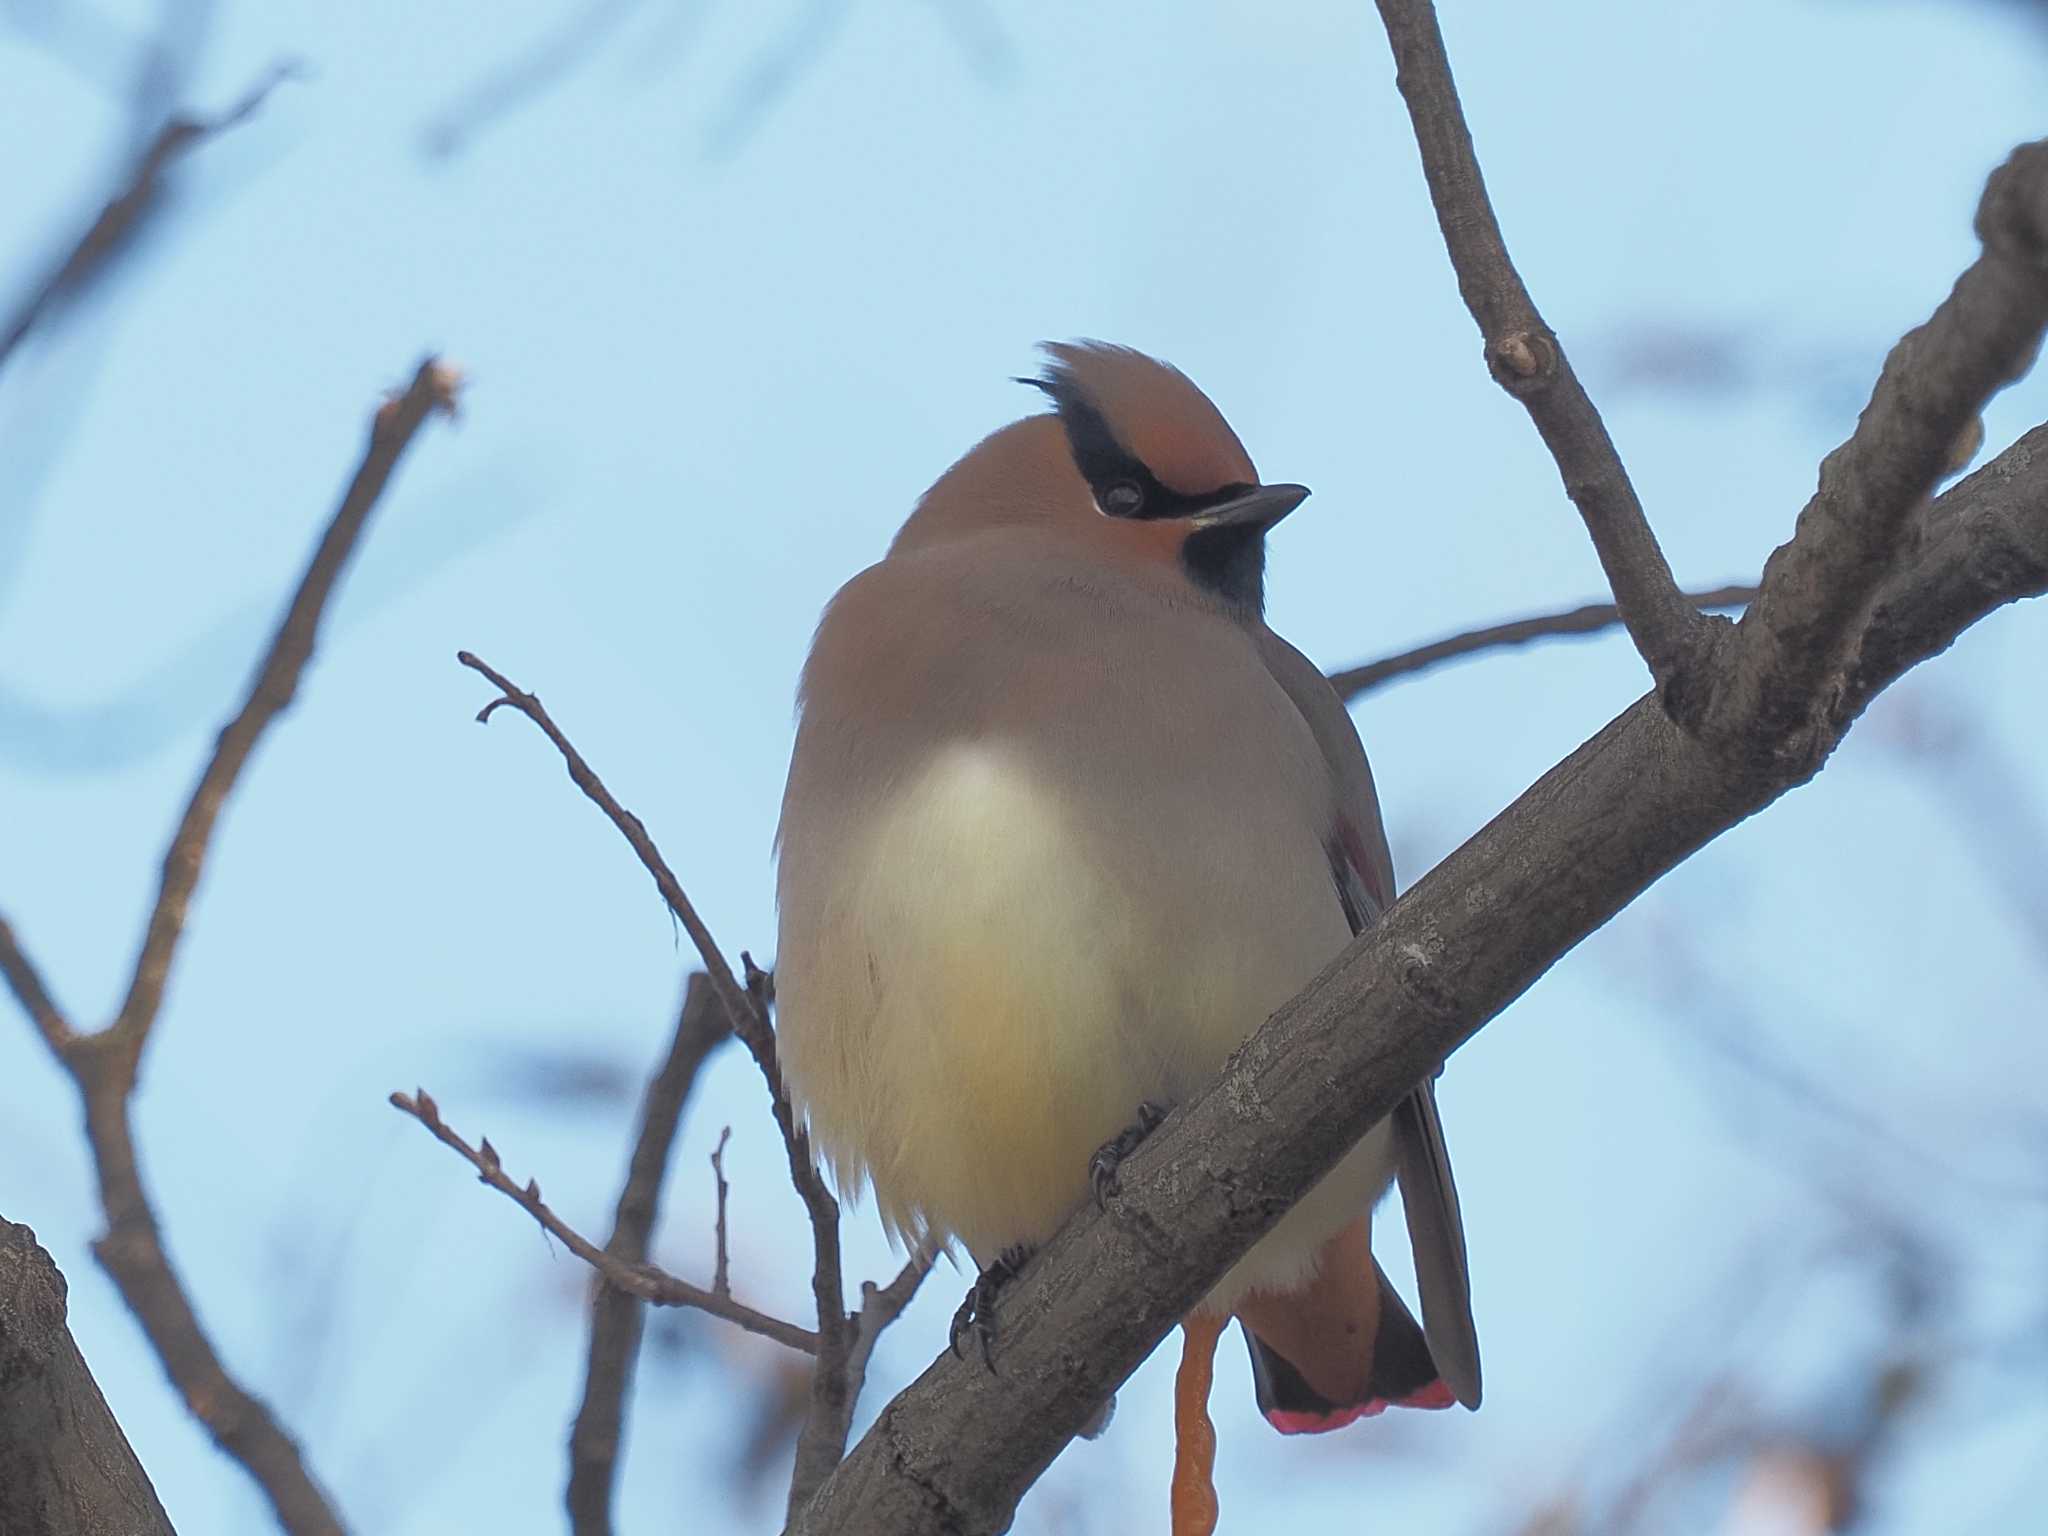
105	1065
882	1305
834	1383
1589	619
747	1005
721	1267
748	1022
125	213
647	1281
1526	359
1817	590
615	1315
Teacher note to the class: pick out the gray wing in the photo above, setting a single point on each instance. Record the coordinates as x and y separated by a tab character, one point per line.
1436	1231
1364	871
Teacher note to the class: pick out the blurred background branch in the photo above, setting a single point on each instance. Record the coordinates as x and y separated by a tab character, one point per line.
127	213
1586	619
105	1065
615	1316
731	275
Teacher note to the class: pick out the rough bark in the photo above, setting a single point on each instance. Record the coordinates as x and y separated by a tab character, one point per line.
65	1467
956	1450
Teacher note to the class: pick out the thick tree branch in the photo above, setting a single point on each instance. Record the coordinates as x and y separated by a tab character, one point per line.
1526	359
956	1450
128	210
65	1466
647	1281
615	1317
1588	619
1981	545
1851	535
105	1065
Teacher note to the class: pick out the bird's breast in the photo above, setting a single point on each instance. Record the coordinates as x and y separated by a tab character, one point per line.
984	972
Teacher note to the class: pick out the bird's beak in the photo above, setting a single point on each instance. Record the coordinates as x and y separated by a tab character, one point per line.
1260	507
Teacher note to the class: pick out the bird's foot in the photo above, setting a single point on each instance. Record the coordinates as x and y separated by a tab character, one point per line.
1102	1167
977	1314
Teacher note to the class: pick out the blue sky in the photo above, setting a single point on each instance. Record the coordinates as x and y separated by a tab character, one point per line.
730	292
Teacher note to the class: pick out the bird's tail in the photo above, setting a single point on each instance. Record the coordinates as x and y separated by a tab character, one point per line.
1342	1348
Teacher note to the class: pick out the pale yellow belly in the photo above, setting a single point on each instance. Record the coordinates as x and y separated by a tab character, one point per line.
982	999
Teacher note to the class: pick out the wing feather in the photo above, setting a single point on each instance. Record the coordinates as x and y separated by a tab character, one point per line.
1364	872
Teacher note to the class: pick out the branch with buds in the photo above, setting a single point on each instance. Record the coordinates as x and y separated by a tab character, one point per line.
842	1341
1879	575
649	1282
1876	579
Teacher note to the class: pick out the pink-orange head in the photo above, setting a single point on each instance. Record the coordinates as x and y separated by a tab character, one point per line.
1134	462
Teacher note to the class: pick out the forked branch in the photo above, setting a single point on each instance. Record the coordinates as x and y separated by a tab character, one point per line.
649	1282
105	1065
1526	359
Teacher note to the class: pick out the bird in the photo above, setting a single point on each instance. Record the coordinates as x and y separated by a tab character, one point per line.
1065	822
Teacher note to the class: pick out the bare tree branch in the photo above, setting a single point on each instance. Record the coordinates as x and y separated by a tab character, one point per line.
26	982
513	83
105	1065
1588	619
1526	359
748	1021
615	1317
129	209
882	1305
649	1282
821	1443
840	1345
955	1451
1975	551
1817	588
64	1463
747	1006
277	682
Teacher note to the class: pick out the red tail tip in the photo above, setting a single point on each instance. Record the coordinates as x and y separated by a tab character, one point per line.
1436	1395
1295	1422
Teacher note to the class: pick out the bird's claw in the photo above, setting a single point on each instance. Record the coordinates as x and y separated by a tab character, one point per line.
977	1314
1102	1167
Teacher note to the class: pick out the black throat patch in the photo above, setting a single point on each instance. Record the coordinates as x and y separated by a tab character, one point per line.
1229	561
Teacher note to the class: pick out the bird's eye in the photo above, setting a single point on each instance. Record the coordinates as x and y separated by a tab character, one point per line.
1123	498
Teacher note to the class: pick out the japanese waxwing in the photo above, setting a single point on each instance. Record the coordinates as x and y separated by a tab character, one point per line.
1065	823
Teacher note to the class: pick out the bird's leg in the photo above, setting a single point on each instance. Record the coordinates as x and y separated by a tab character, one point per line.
1109	1156
1194	1437
977	1314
